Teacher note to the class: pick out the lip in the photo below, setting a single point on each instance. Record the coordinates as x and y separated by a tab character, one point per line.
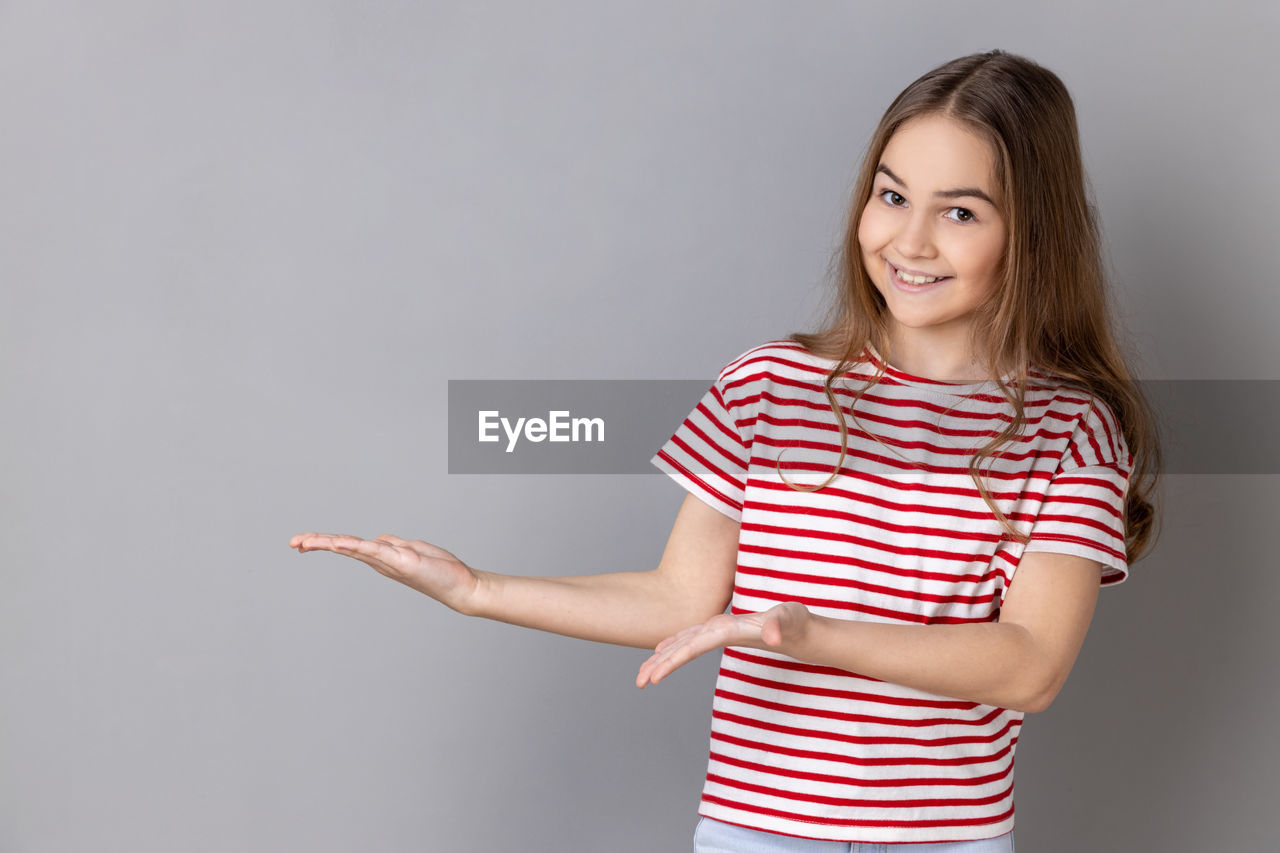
909	270
908	287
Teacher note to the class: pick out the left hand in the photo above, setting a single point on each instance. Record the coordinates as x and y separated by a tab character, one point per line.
768	629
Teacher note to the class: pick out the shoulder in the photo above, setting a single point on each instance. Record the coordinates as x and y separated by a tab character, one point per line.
1095	435
771	359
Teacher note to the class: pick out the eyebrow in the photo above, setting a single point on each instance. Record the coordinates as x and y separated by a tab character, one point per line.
959	192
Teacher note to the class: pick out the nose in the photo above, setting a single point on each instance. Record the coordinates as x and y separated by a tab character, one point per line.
915	238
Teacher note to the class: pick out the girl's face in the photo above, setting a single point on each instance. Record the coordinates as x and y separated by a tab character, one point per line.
933	213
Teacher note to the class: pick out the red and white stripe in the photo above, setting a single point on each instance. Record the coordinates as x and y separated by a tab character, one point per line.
902	535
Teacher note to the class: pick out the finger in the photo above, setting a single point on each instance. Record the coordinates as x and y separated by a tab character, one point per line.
679	655
676	637
642	677
783	621
377	549
648	670
668	663
302	540
293	543
382	556
326	541
397	542
672	644
422	549
416	546
308	539
771	631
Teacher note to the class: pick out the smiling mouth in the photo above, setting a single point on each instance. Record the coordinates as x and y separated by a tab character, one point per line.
912	282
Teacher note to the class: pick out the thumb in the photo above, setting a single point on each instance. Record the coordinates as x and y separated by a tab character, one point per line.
771	630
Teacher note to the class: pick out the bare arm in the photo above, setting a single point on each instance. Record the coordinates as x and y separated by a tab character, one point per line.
993	663
692	582
1020	662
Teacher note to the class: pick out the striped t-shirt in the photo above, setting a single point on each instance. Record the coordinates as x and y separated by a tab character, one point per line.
902	535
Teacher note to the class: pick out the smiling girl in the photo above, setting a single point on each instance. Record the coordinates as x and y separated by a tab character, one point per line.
908	515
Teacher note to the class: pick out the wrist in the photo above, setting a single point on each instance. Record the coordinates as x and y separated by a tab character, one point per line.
476	600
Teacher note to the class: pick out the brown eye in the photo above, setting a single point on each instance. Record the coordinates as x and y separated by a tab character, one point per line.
893	198
963	214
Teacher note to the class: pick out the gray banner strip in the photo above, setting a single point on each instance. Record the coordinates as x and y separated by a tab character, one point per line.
614	426
1217	426
588	426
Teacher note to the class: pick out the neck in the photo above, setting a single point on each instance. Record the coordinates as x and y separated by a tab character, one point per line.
943	356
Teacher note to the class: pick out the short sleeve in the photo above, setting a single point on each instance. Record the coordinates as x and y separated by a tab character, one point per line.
1083	508
710	451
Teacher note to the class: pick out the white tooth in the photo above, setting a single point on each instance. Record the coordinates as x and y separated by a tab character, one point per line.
916	279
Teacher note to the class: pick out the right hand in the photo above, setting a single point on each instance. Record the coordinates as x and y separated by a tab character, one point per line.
419	565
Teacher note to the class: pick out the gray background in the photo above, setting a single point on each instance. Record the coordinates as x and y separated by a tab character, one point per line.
246	244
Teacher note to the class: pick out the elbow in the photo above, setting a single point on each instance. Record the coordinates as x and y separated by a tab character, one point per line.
711	601
1036	705
1038	678
1041	697
693	609
711	607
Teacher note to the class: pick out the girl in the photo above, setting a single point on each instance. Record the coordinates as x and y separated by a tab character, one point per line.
862	499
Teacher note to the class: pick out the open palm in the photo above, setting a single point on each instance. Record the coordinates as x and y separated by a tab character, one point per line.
767	629
416	564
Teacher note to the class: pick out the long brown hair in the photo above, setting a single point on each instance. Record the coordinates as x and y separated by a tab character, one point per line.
1051	309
